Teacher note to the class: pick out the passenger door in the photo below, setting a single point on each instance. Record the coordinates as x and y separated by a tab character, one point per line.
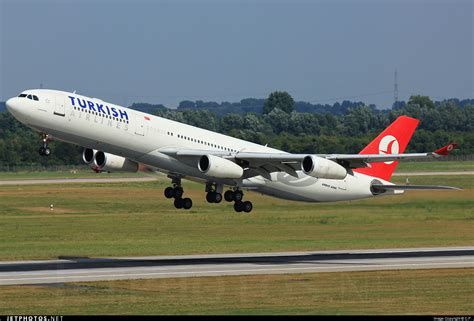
59	108
140	125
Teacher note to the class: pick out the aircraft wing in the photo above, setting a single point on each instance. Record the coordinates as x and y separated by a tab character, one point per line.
259	163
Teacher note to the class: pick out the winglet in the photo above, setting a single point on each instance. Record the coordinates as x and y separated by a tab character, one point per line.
444	151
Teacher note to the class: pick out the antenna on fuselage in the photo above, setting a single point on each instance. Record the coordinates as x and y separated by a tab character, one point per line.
74	92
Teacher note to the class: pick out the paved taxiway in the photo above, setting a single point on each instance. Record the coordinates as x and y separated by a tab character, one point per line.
100	269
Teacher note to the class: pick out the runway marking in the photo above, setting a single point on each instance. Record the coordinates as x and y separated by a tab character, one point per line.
380	267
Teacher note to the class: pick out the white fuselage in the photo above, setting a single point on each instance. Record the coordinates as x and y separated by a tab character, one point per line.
93	123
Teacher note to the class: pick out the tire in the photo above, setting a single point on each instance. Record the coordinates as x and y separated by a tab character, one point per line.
229	196
178	192
238	207
238	195
217	197
187	203
178	203
41	151
247	206
169	192
210	197
47	151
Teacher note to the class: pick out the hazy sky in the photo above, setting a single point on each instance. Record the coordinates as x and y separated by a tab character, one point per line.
168	51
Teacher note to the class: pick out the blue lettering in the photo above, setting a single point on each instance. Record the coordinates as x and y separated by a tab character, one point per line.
99	108
108	110
123	114
83	105
72	100
91	105
114	112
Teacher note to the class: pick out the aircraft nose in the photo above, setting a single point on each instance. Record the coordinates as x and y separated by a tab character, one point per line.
11	104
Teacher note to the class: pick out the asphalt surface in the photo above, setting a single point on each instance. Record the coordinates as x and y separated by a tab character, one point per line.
71	269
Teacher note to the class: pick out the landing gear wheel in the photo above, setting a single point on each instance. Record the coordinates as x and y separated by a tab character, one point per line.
214	197
247	206
178	192
209	197
238	206
229	196
238	195
169	192
187	203
217	197
44	151
178	203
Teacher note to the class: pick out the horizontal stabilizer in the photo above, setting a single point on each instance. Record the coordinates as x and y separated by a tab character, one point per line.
411	187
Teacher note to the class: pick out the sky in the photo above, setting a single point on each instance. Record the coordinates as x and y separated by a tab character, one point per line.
169	51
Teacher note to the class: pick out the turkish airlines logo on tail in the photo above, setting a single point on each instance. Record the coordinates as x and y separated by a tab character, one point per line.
388	145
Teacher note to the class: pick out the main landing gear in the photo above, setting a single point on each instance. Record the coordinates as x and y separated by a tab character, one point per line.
177	192
44	150
239	205
214	195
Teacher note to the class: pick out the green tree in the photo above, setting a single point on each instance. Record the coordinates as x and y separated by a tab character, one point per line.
281	100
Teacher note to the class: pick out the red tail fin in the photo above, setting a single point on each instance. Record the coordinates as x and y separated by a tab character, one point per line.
393	140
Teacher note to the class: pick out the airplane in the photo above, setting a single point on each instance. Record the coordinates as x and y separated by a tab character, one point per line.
116	138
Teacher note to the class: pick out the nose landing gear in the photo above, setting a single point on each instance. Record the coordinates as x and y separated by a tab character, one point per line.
44	150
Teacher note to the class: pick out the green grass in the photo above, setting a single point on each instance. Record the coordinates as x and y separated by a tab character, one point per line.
435	166
134	219
429	292
84	172
79	173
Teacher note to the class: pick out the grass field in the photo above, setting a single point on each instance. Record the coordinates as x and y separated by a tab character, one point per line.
131	219
432	292
80	173
84	172
435	166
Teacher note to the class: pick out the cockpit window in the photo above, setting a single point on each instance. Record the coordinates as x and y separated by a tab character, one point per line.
22	95
29	97
35	98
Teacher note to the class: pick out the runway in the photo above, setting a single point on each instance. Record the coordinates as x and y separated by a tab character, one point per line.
66	269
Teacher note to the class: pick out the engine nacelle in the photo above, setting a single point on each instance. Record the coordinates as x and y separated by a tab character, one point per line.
88	155
322	168
113	163
219	167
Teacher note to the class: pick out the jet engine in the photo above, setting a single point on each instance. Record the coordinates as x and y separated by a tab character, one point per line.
88	155
113	163
219	167
322	168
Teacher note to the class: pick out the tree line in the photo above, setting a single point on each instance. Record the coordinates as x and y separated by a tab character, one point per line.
280	125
